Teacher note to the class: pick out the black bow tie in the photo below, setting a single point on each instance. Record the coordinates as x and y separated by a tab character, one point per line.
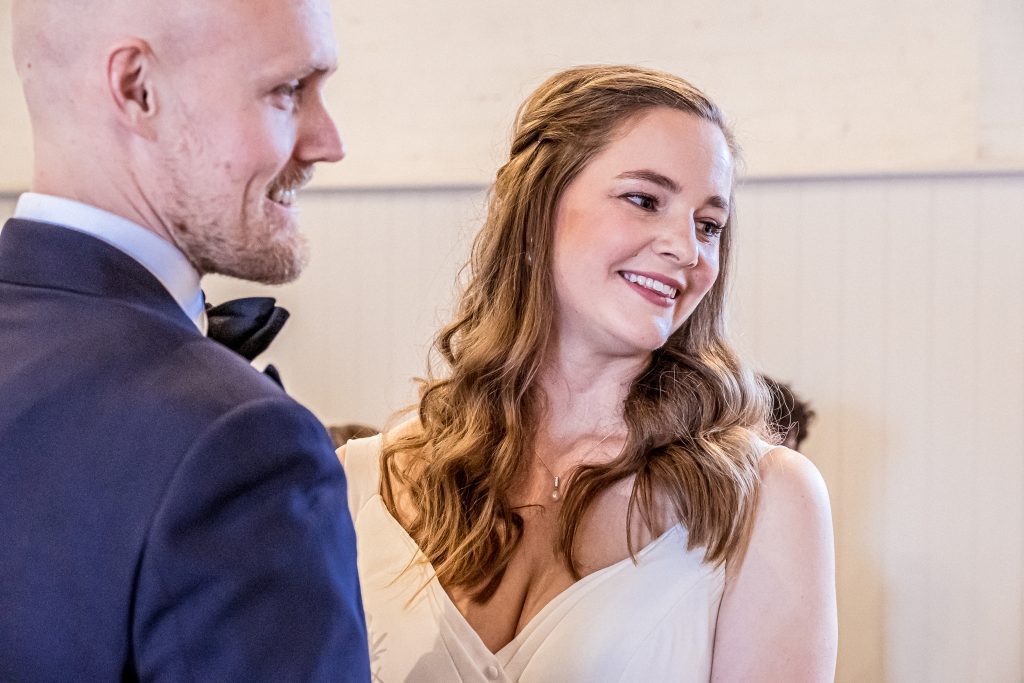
247	326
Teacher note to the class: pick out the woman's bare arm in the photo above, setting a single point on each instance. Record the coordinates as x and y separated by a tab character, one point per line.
778	618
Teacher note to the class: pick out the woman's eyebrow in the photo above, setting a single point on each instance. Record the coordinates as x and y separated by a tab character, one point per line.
652	176
717	201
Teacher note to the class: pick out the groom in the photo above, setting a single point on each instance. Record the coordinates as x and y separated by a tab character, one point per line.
166	512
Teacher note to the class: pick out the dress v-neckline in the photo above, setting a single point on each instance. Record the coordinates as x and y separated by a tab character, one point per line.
458	619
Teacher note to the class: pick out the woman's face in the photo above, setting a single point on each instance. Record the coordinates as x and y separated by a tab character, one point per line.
637	233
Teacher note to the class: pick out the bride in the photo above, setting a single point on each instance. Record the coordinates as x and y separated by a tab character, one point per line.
586	495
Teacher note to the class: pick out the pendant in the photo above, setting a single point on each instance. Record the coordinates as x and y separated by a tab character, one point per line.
556	495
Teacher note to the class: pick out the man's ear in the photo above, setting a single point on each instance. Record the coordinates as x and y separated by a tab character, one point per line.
131	86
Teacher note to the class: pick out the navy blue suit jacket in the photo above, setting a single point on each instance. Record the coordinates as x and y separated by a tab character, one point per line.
166	512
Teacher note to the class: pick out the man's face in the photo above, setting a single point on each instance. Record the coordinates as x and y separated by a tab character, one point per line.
241	125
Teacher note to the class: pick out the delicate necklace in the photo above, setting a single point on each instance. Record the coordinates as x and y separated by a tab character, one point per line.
556	479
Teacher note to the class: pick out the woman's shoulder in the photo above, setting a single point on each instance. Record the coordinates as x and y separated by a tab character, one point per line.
371	447
793	509
793	514
790	481
361	459
778	615
408	427
354	451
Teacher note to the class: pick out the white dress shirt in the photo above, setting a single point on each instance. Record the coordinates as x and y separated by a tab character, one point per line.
155	254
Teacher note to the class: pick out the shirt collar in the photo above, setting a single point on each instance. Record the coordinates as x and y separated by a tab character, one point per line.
157	255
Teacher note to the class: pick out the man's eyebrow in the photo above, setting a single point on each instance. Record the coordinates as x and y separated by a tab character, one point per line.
319	69
654	177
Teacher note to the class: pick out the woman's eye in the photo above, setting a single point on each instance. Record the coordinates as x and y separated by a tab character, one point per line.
711	229
644	201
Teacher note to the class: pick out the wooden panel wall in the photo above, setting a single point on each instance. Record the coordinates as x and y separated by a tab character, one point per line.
897	307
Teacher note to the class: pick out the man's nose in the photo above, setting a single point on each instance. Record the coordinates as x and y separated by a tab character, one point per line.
319	139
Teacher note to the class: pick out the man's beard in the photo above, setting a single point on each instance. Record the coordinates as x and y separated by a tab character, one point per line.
254	249
257	243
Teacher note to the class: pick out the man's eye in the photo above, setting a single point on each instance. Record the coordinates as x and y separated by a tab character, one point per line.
644	201
288	90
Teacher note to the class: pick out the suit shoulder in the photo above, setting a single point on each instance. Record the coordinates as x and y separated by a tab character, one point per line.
199	375
181	388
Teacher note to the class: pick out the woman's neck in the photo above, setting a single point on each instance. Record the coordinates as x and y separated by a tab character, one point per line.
585	394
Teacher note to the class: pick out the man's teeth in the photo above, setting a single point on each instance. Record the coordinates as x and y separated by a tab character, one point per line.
652	284
282	196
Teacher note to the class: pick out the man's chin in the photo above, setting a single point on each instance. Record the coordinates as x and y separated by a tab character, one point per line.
275	260
274	266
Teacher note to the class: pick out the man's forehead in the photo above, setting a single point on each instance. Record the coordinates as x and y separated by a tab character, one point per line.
252	41
288	30
244	40
145	18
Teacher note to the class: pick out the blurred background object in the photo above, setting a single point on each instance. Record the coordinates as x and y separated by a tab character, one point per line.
341	434
791	417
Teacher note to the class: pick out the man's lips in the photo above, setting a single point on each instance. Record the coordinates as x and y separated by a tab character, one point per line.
287	186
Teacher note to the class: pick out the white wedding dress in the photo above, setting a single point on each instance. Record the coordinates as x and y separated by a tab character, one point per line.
650	621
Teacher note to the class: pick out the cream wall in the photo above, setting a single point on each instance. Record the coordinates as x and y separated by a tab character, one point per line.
426	91
880	266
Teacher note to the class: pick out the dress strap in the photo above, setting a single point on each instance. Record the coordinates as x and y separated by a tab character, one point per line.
362	468
764	446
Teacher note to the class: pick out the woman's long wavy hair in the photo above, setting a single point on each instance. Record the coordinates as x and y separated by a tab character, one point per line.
693	416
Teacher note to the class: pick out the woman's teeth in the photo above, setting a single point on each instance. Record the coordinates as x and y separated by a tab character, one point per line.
652	284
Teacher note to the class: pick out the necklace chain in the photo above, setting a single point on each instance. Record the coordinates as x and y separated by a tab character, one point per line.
556	479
